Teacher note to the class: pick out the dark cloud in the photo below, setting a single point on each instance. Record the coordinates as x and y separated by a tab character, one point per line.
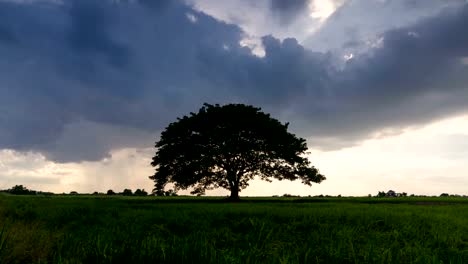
284	75
63	70
414	77
6	36
159	5
288	10
86	77
88	34
289	6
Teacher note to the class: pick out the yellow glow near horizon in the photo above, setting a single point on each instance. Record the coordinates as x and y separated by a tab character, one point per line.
422	161
425	160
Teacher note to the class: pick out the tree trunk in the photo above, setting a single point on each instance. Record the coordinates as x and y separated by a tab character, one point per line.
234	185
234	193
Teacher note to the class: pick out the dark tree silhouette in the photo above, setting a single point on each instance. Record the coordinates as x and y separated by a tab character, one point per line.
110	192
381	194
140	192
226	146
20	190
170	193
127	192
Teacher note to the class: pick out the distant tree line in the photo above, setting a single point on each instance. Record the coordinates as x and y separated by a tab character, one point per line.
128	192
22	190
391	194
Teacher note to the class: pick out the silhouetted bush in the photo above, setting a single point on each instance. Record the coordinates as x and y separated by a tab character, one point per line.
164	193
381	194
127	192
140	192
170	193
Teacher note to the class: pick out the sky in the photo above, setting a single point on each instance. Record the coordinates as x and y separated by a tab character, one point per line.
379	88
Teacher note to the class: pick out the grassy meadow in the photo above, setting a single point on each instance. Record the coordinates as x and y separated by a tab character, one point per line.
101	229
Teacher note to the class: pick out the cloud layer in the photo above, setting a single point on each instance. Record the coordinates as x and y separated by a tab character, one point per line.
84	77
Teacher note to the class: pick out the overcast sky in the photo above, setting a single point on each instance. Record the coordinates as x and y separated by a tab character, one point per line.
379	88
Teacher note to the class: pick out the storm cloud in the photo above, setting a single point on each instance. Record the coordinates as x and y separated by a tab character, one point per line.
81	78
288	10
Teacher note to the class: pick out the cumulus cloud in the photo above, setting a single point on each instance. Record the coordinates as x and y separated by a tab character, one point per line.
86	77
356	24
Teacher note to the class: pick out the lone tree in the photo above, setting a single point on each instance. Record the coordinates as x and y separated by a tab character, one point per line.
226	146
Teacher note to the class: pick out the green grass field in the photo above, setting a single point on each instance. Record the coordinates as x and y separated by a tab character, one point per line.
67	229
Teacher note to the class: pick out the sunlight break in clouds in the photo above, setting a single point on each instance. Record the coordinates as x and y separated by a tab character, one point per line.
282	19
323	9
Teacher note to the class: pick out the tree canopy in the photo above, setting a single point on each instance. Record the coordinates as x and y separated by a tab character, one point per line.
225	147
20	190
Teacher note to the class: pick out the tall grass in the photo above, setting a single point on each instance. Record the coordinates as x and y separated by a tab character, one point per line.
182	230
3	238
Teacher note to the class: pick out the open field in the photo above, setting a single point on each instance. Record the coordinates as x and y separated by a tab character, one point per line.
90	229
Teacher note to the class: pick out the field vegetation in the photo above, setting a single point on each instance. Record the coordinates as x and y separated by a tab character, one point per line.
117	229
